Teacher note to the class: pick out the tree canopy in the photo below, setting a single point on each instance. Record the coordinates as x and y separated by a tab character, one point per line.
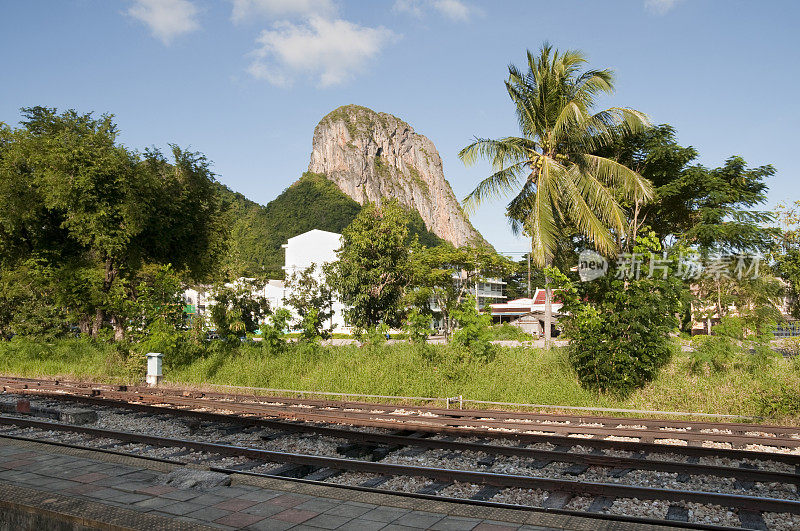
83	215
373	266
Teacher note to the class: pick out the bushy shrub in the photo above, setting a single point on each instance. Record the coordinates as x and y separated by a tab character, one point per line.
781	401
177	346
474	329
509	332
619	328
418	326
374	337
273	333
732	345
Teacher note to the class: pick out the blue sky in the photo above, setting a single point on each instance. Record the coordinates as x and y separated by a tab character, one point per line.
246	81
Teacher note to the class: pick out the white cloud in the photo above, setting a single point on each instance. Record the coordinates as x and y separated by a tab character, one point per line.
660	7
244	10
166	18
412	7
331	51
455	10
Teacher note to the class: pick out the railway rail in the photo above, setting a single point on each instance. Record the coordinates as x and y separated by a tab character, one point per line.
417	436
483	422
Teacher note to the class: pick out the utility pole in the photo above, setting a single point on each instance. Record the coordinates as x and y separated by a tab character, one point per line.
529	275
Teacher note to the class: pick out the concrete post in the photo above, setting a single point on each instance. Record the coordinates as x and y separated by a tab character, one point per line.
154	368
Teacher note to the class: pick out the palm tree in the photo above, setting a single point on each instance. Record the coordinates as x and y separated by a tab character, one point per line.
552	169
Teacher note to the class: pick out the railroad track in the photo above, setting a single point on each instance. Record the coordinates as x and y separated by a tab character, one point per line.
486	423
396	450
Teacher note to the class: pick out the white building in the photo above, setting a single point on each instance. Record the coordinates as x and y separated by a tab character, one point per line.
275	293
315	247
197	300
489	291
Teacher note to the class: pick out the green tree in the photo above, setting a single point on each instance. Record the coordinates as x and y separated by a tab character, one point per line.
711	208
239	308
94	213
310	296
373	266
447	275
273	332
474	328
558	180
418	326
787	256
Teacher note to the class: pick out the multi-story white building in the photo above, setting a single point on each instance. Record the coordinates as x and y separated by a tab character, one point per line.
489	291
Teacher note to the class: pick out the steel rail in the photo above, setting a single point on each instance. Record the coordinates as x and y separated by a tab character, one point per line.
434	497
413	420
695	451
481	413
542	418
638	463
752	503
467	413
643	435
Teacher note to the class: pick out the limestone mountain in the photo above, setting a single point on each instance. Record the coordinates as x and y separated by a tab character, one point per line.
373	155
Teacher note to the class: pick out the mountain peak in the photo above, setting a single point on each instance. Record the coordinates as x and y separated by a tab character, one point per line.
370	155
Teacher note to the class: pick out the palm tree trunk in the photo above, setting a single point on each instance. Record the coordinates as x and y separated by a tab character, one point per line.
548	305
548	311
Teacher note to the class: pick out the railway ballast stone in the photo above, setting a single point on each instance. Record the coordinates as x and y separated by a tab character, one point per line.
186	478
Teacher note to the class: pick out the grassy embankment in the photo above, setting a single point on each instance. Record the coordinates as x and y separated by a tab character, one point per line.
522	375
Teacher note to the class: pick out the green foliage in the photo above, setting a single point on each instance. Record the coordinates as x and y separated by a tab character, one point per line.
551	169
787	255
447	274
273	333
239	309
474	329
709	207
257	232
712	353
312	202
86	216
373	266
413	370
417	326
310	296
619	328
29	303
777	402
158	298
376	336
509	332
734	344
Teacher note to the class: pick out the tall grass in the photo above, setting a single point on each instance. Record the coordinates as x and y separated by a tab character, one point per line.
522	375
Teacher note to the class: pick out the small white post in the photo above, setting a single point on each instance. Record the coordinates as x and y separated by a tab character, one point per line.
154	368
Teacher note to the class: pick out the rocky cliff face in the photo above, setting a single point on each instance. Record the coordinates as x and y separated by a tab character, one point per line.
372	155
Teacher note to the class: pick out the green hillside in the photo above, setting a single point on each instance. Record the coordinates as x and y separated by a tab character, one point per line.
313	202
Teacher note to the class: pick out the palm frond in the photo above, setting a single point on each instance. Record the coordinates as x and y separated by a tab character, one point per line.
541	223
500	152
630	184
583	206
606	126
600	198
500	183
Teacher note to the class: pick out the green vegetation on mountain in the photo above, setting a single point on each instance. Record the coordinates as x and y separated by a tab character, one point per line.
313	202
257	232
359	120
